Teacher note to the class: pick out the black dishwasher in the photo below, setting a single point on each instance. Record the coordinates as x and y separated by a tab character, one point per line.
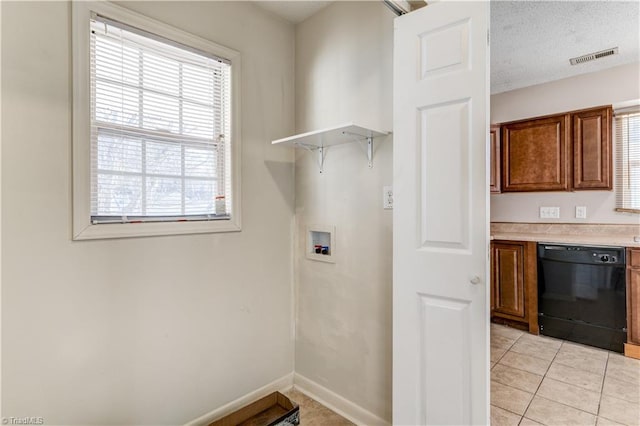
581	294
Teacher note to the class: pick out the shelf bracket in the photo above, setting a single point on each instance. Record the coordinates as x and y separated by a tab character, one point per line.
321	153
321	158
359	138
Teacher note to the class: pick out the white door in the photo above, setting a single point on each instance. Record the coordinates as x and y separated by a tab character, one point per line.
440	218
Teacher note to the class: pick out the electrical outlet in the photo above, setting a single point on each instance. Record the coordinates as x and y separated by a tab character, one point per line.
549	212
581	212
387	197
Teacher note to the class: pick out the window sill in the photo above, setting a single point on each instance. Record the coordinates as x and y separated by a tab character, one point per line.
628	210
153	229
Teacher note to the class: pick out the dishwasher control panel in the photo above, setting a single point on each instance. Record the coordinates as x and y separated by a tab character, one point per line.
582	254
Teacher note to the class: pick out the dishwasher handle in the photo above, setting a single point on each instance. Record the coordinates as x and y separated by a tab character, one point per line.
546	247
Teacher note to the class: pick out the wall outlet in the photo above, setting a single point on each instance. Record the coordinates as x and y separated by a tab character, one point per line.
549	212
387	197
581	212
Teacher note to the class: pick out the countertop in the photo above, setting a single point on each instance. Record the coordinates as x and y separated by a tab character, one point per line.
597	240
588	234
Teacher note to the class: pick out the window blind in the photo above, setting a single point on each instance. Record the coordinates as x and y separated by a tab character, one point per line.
160	128
627	128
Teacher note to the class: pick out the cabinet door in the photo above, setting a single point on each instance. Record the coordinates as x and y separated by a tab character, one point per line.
492	277
508	279
633	296
592	159
494	164
535	154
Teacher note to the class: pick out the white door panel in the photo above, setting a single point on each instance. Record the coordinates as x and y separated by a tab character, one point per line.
441	362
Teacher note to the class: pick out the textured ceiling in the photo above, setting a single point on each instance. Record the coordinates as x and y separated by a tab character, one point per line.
293	11
532	41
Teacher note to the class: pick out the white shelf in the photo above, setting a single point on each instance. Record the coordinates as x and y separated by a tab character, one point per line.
331	136
319	140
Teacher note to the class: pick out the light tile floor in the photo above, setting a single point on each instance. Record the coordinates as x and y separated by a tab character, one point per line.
539	380
312	413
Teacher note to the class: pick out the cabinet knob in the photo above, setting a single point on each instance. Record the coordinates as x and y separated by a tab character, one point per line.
474	280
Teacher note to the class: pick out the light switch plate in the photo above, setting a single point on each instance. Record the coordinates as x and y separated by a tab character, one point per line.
581	212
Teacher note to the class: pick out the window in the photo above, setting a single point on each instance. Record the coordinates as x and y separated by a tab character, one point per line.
156	139
627	128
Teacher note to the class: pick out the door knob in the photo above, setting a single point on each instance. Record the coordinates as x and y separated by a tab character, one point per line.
474	280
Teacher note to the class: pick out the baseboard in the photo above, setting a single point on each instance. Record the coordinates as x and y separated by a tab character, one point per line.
630	350
335	402
282	384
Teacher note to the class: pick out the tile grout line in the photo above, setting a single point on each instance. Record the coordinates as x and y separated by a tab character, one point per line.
526	371
496	363
604	377
533	356
566	405
616	397
601	392
546	399
540	384
507	350
507	410
533	394
520	369
577	369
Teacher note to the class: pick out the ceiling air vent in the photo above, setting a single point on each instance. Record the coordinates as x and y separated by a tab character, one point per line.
593	56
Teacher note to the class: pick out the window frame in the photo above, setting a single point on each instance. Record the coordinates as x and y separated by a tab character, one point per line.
624	109
83	228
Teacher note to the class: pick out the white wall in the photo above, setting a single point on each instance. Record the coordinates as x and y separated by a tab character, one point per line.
145	330
344	73
610	86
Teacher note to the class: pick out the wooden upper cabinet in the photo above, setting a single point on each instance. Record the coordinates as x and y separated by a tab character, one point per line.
494	164
535	154
592	159
563	152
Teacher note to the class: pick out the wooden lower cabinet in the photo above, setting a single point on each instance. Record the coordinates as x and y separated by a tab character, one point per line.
514	292
632	347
